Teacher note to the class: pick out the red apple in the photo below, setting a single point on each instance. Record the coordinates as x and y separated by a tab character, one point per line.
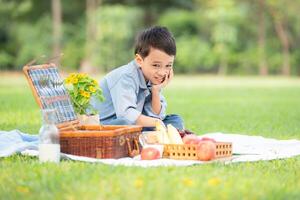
206	150
208	139
191	139
150	153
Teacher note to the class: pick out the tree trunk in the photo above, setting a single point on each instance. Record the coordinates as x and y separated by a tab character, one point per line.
149	17
57	33
91	34
285	47
263	67
283	37
223	65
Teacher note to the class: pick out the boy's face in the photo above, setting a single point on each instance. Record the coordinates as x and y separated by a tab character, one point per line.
156	66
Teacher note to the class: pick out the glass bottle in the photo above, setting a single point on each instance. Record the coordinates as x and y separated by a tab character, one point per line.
49	147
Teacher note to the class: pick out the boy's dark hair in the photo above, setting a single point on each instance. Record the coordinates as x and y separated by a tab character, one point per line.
156	37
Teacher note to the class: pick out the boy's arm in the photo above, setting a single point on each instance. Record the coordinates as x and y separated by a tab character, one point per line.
146	121
148	108
156	104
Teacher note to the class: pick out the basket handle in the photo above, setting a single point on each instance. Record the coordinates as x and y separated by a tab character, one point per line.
133	152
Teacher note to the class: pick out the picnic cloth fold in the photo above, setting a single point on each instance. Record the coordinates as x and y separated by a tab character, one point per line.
245	149
15	141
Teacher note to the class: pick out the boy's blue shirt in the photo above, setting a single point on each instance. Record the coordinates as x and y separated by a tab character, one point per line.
127	95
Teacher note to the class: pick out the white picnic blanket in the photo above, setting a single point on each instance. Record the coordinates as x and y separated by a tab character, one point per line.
245	149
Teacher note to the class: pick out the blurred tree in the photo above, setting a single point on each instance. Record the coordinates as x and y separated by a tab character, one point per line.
222	14
152	9
180	22
32	41
57	30
263	67
194	55
275	8
73	11
10	12
229	36
74	42
114	44
91	34
194	51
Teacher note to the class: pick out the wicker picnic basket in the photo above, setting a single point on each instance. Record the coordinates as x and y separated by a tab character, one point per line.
189	151
96	141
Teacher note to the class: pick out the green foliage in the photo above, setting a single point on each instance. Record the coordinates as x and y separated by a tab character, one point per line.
5	59
9	12
180	22
244	62
114	43
220	34
73	46
32	41
193	55
295	59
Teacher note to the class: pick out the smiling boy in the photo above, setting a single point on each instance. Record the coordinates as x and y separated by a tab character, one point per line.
133	92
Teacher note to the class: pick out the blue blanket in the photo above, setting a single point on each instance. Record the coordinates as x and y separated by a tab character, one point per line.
15	141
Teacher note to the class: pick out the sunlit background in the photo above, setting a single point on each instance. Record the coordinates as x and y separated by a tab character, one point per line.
226	37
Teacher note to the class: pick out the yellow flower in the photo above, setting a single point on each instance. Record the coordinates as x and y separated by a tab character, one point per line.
72	74
87	95
138	183
82	92
188	182
92	89
75	80
95	82
82	75
68	80
81	99
214	181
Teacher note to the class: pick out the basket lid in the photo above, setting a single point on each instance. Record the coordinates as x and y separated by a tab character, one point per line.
50	92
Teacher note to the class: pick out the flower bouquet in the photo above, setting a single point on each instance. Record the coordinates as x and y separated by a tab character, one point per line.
81	89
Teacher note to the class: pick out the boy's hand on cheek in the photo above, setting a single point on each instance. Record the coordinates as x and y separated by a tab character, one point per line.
166	81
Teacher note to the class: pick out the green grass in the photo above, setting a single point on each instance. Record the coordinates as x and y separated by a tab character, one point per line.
254	106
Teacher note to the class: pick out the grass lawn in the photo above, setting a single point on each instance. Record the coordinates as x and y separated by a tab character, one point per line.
269	107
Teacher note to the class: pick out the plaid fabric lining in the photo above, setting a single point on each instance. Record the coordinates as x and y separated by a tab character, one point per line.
53	93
